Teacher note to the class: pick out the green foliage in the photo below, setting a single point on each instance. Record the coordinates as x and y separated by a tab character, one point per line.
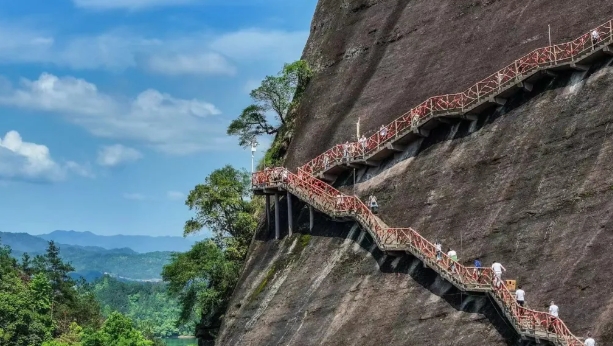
305	239
269	276
223	206
272	156
250	124
278	94
150	307
41	305
203	279
23	320
117	330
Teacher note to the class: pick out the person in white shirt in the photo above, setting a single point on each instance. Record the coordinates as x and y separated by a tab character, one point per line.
439	250
553	309
589	341
595	36
363	142
383	132
520	296
374	206
498	269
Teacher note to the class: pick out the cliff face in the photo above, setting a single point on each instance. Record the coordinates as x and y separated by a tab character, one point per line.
528	184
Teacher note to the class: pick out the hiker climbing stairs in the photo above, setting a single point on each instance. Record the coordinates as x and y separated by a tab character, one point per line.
310	182
489	92
528	323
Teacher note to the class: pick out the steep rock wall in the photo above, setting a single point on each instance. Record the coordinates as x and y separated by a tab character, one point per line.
529	184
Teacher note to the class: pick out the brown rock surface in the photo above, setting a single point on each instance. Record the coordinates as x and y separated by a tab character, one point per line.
529	185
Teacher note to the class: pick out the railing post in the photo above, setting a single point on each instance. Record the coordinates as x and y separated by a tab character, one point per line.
290	218
277	223
268	213
311	218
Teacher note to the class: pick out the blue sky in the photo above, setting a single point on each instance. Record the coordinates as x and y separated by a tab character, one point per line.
112	110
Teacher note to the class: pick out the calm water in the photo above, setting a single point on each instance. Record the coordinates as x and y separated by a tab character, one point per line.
181	342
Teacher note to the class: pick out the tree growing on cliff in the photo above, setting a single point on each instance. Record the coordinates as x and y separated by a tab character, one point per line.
203	278
277	94
223	206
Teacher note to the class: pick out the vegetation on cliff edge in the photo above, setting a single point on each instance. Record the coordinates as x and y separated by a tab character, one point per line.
204	278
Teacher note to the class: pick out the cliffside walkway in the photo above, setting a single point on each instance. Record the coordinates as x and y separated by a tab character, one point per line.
394	137
490	92
528	323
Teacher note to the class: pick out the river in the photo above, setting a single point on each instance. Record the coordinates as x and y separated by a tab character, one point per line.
181	342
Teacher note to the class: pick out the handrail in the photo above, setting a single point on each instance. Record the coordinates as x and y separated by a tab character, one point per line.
326	198
461	103
336	204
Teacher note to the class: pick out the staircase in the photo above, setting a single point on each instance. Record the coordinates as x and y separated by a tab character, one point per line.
309	183
528	323
492	91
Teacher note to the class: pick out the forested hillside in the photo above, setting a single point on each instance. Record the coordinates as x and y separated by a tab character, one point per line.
122	262
41	305
147	304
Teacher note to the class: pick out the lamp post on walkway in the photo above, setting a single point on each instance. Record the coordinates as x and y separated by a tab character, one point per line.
254	144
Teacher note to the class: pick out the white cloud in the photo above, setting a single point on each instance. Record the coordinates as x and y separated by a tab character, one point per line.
204	63
127	4
113	155
175	195
20	43
197	52
27	161
134	196
159	120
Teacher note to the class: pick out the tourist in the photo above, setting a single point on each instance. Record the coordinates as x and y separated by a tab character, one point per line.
363	141
595	37
520	296
553	309
498	269
589	341
372	202
454	258
383	132
439	250
478	267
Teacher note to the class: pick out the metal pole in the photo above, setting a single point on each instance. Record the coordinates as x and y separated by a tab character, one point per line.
311	218
254	144
268	212
549	25
358	128
277	225
290	217
354	181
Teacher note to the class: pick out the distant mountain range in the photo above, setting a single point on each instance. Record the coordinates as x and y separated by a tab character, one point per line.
92	261
138	243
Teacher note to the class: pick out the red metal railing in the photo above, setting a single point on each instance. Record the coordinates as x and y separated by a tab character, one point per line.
332	202
461	103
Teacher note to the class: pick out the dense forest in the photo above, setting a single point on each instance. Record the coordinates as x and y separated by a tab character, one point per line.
146	303
40	304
